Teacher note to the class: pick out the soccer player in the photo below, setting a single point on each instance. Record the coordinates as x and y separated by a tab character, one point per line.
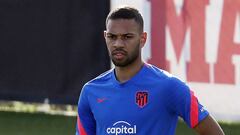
136	98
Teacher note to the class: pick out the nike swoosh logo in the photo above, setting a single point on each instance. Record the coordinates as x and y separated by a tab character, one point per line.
100	100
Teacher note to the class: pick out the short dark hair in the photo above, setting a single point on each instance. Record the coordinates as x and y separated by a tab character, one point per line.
126	13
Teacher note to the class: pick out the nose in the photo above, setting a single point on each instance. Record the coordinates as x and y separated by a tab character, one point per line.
118	43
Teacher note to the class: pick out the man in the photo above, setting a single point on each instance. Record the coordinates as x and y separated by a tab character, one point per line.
136	97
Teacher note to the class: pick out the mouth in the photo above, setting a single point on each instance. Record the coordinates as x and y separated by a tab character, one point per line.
119	54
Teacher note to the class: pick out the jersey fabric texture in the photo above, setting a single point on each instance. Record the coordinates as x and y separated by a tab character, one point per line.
147	104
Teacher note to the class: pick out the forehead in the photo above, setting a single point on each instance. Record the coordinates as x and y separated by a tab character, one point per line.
122	26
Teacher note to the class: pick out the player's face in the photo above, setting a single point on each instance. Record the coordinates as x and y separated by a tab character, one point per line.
124	41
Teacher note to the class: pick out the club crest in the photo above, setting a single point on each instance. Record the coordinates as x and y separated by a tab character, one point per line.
141	98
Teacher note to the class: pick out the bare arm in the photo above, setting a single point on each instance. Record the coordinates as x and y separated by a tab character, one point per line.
208	126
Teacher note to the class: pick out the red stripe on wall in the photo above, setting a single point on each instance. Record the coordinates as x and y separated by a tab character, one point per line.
81	130
194	110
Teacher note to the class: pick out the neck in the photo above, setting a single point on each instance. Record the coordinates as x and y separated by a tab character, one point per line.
124	74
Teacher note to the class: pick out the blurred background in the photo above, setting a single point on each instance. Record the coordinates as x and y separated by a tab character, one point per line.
49	49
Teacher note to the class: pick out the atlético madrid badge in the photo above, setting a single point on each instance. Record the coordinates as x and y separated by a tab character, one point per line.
141	98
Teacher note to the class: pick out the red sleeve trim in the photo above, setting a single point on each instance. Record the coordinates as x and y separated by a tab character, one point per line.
81	130
194	110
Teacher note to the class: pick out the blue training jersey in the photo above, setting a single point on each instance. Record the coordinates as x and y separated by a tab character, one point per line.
147	104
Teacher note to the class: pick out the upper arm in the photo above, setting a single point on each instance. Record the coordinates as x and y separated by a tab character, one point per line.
185	104
208	126
86	124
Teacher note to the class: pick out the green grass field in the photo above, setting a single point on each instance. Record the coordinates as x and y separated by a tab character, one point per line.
12	123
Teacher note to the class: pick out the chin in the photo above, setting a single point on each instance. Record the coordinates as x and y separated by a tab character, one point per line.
120	64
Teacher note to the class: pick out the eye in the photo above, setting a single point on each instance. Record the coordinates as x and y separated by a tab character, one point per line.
127	37
111	37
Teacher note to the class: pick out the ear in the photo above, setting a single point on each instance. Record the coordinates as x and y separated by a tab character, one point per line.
105	33
143	39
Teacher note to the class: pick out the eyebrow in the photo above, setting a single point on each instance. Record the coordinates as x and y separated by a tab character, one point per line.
131	34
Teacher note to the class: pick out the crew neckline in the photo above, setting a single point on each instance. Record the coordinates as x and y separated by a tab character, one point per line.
135	78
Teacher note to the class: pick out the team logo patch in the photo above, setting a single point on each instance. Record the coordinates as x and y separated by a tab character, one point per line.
141	98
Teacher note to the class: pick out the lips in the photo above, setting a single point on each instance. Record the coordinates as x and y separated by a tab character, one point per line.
119	54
